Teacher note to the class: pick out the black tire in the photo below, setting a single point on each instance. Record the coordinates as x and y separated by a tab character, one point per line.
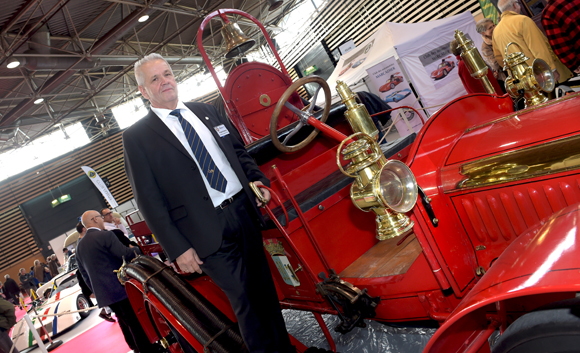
83	303
395	100
445	73
393	86
544	331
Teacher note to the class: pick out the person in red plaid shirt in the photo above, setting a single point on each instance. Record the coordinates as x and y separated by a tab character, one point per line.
561	20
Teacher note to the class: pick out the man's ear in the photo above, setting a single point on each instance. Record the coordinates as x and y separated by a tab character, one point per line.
143	92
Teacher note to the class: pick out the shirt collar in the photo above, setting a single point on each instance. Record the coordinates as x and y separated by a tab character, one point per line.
89	228
509	13
164	113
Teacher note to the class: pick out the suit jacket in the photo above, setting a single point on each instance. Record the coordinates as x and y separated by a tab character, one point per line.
11	287
99	253
169	188
524	31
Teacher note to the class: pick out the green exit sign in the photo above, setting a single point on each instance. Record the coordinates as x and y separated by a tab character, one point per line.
310	70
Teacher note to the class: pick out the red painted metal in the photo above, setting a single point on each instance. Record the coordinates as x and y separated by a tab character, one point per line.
542	261
327	130
254	89
517	130
305	224
282	229
322	325
511	225
231	106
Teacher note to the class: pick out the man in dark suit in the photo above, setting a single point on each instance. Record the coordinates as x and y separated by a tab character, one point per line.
84	287
198	203
99	253
12	290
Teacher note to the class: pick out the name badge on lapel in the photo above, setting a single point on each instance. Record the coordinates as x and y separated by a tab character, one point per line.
221	130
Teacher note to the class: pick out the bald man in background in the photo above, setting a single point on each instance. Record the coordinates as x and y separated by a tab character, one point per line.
99	253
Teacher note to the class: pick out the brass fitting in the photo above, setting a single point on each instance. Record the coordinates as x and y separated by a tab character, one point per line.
473	60
367	166
356	114
526	79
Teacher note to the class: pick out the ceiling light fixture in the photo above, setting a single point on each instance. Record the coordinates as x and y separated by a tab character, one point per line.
143	18
13	63
39	100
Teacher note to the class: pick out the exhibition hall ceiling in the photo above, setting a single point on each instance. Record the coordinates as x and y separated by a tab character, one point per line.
76	56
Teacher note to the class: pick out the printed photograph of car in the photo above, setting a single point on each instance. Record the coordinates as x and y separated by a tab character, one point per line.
443	69
61	301
66	279
392	82
358	62
345	69
397	96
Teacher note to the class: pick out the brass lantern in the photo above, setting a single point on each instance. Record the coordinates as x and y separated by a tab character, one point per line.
473	60
385	187
527	80
236	41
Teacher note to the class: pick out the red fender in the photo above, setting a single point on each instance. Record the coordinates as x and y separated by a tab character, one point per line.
543	263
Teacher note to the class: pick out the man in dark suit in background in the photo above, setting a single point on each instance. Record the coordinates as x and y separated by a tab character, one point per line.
99	253
198	203
84	287
12	290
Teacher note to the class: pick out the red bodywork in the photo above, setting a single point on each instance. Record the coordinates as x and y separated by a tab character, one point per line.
391	83
443	69
526	228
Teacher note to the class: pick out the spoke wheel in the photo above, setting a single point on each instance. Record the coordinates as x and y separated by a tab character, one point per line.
303	115
83	303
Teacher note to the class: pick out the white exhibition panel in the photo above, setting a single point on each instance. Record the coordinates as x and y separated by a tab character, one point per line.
408	42
411	51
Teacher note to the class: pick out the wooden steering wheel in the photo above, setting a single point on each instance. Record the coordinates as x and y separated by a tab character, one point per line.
303	115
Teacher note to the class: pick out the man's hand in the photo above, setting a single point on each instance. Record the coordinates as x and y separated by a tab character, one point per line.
264	192
189	261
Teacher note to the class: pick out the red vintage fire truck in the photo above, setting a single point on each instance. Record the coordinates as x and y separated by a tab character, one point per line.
473	225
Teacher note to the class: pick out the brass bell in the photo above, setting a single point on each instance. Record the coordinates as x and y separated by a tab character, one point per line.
530	80
237	42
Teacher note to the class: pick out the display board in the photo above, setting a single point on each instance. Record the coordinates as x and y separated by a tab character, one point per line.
409	42
389	78
430	64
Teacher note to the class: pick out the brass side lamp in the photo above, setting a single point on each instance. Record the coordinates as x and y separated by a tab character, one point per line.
385	187
356	114
473	60
526	80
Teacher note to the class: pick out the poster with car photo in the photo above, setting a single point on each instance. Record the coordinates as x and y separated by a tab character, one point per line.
394	89
440	65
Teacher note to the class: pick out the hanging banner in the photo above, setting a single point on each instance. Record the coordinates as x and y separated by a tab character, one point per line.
100	184
388	78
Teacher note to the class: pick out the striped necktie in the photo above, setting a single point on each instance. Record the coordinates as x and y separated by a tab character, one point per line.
212	174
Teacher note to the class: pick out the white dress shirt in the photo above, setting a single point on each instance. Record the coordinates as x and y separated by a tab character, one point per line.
172	122
111	226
